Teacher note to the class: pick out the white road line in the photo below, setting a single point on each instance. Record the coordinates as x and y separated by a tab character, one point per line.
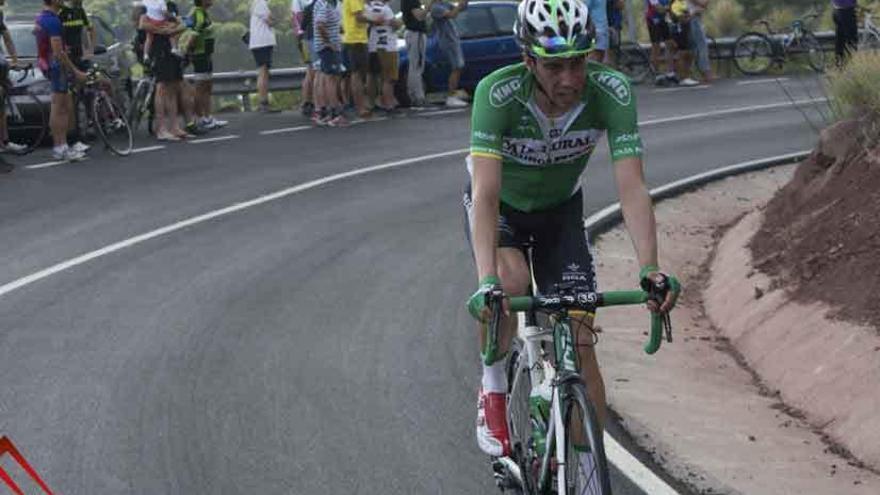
730	111
761	81
364	121
440	112
45	165
684	88
112	248
149	148
214	139
286	129
637	472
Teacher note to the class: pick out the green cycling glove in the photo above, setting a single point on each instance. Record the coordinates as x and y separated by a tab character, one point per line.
477	302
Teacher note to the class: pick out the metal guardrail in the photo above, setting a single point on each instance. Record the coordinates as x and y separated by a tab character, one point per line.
244	83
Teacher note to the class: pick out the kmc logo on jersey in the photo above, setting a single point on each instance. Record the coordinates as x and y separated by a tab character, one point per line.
502	91
614	85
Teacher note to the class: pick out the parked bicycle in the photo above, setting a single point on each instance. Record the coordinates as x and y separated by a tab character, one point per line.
632	60
550	415
102	112
143	102
754	52
869	38
26	116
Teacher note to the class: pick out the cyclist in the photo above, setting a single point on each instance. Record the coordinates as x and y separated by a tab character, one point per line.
75	20
5	143
57	67
534	126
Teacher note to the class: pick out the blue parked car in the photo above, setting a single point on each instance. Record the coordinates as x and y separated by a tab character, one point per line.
487	41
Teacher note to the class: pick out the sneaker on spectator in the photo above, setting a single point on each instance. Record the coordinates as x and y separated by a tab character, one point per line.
166	136
338	121
307	108
68	154
80	147
462	94
218	124
689	82
193	129
319	120
455	102
11	147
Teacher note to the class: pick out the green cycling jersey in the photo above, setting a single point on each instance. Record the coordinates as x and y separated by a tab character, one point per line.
542	157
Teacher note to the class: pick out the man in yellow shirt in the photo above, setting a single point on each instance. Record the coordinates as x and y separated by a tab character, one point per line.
354	41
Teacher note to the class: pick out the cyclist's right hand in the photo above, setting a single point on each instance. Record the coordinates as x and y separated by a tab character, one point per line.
80	76
478	302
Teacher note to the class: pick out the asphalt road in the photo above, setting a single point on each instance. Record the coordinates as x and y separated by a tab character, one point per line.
311	343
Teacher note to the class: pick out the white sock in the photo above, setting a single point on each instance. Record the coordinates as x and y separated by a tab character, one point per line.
495	377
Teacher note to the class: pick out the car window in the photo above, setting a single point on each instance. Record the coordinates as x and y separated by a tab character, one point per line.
24	40
505	15
475	23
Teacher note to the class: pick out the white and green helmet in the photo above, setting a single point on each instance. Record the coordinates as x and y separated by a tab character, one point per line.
554	28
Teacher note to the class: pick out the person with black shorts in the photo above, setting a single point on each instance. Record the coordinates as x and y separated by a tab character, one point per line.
168	71
680	32
658	30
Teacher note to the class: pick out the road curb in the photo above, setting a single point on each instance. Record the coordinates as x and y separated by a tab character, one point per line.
610	216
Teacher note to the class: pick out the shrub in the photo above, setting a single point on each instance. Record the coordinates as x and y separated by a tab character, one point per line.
852	89
724	18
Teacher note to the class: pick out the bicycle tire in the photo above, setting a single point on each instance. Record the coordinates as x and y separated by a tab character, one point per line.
139	105
634	63
518	414
598	481
811	47
868	41
753	53
37	135
112	125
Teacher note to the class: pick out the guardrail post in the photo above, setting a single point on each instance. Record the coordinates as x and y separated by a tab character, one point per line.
245	101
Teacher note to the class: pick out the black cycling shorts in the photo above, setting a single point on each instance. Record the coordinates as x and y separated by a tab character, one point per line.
681	35
561	252
658	32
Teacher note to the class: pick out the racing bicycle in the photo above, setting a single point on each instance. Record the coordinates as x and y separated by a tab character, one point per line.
754	52
26	116
869	37
143	102
102	112
548	409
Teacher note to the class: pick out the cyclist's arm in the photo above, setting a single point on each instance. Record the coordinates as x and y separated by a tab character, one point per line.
61	55
10	47
486	196
638	208
599	16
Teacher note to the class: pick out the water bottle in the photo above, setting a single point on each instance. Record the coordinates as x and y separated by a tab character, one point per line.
539	406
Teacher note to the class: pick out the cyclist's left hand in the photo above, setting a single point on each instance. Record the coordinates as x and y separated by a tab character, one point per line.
661	280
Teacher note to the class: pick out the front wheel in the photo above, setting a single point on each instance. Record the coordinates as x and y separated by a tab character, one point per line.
112	125
753	53
586	468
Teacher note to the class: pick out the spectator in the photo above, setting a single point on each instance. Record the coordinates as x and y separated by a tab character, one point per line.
846	29
302	15
138	43
57	68
262	43
203	65
680	16
5	144
383	45
658	31
74	20
161	15
354	41
599	17
168	71
328	45
614	9
699	42
414	15
449	41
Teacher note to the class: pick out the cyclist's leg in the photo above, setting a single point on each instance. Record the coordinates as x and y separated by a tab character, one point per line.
562	255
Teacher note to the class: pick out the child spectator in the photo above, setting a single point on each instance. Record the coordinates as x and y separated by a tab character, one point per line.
160	17
383	45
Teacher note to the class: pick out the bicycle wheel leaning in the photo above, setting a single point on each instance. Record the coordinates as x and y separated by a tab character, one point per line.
812	49
138	108
586	468
753	53
111	124
29	129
